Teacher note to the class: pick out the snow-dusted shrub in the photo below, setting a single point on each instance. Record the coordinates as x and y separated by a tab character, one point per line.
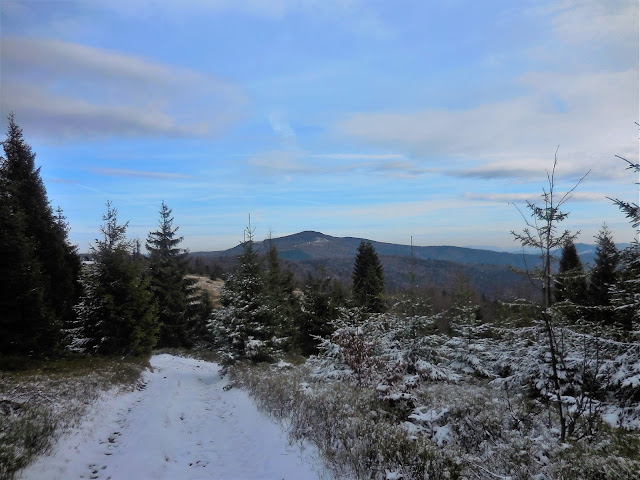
352	428
383	350
616	459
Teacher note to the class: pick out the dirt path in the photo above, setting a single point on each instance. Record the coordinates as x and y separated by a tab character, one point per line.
181	424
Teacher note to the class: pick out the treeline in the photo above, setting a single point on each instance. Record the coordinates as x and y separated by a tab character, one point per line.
121	302
126	303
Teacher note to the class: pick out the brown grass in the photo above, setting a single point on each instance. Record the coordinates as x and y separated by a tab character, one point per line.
212	287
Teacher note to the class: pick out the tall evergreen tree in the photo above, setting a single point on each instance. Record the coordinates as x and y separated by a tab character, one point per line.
570	282
25	323
167	270
603	276
625	294
281	298
244	326
368	279
631	210
46	256
320	306
117	313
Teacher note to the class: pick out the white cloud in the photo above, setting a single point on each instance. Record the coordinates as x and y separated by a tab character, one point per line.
117	172
532	197
299	162
591	117
358	156
60	88
601	21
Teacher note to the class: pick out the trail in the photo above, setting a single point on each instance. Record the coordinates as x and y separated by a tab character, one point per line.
180	424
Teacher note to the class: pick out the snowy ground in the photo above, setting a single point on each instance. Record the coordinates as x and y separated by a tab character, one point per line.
182	425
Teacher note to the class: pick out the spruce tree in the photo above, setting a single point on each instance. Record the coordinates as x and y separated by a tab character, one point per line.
603	276
46	254
625	294
24	320
281	298
167	270
570	282
244	326
117	312
368	279
320	306
542	233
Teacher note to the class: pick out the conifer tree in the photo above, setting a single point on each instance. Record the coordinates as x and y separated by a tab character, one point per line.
24	320
244	327
368	280
320	306
625	294
281	299
167	270
117	312
603	276
570	282
630	209
542	233
46	256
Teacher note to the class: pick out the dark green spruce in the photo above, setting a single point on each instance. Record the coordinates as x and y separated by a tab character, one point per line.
570	282
170	287
117	314
39	267
368	280
603	277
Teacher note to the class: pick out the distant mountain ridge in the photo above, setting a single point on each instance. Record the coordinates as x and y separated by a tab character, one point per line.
311	245
492	273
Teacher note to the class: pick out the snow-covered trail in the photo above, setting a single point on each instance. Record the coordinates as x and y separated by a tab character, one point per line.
181	425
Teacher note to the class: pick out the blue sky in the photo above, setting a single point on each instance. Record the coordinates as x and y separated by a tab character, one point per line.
375	119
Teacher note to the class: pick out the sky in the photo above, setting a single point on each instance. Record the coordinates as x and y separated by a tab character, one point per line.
435	120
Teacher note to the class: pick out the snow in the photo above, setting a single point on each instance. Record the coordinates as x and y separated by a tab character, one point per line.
182	423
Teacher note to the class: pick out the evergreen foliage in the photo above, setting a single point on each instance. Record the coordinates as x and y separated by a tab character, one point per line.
603	276
322	300
199	311
172	291
259	305
631	210
625	293
542	233
117	312
570	282
281	299
39	264
25	325
244	327
368	280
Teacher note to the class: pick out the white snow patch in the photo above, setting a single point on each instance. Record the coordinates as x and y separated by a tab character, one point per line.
182	425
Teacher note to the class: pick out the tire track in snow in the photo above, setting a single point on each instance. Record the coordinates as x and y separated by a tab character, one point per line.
181	424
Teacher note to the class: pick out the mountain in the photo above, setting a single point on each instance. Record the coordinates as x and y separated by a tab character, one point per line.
310	245
437	267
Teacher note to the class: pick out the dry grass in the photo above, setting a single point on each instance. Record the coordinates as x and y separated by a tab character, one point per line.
212	287
361	436
44	399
